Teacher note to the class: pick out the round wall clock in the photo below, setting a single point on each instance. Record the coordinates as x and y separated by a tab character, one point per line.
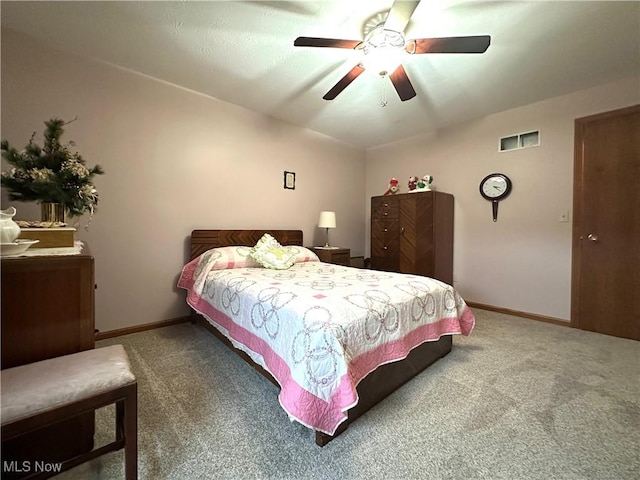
495	187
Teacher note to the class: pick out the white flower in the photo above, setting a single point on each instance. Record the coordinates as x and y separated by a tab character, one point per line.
75	168
40	174
89	193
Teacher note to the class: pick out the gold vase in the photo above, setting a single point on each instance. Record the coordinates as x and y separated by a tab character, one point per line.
52	212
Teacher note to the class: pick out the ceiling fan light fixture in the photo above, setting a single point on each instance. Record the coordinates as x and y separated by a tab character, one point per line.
383	50
380	37
382	61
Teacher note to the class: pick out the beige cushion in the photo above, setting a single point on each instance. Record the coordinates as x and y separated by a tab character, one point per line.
49	384
270	254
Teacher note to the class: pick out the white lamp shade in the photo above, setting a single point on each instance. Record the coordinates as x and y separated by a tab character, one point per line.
327	220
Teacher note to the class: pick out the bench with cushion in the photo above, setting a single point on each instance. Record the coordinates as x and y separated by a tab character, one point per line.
42	393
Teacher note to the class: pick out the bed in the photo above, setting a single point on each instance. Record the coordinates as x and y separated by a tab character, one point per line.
336	340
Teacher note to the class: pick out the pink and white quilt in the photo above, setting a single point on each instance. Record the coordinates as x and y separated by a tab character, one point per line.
320	328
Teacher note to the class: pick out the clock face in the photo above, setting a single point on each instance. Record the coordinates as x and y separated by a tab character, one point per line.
495	186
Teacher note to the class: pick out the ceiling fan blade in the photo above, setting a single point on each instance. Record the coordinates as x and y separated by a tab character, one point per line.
471	44
402	84
325	42
344	82
399	15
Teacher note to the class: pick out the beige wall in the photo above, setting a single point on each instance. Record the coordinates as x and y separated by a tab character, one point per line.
175	160
522	262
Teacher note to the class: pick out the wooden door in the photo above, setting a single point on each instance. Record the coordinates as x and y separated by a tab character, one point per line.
606	229
416	234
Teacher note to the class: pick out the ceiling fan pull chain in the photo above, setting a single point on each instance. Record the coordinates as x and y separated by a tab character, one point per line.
383	95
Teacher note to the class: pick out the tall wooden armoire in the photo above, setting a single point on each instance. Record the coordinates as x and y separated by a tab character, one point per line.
413	233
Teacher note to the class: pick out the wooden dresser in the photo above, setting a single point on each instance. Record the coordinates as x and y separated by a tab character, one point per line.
48	311
413	233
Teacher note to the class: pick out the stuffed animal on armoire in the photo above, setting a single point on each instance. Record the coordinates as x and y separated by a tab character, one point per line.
425	182
393	187
413	183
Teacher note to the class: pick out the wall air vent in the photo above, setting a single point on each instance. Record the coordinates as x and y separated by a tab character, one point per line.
519	141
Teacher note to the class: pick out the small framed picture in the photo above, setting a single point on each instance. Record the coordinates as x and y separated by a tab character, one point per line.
289	180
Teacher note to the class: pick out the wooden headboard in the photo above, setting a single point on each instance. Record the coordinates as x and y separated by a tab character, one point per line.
203	240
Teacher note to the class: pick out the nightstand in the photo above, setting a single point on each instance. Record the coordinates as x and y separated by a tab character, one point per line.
338	256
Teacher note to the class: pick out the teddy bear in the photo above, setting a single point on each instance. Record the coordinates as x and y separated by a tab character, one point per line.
413	183
393	187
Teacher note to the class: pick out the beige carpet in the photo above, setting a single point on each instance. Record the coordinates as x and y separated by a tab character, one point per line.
518	399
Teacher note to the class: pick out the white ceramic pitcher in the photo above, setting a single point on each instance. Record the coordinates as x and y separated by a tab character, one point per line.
9	230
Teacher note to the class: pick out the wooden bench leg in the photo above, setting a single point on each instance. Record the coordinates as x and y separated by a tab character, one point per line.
66	395
131	433
126	406
120	433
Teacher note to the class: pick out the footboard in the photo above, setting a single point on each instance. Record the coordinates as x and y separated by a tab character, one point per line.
375	387
387	378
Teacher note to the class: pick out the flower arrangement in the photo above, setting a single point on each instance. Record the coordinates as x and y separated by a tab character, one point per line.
51	174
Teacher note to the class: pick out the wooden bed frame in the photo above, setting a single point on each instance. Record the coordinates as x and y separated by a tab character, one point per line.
374	387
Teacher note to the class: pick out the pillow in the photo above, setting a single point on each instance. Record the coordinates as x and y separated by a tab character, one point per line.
195	272
302	254
270	254
222	258
219	259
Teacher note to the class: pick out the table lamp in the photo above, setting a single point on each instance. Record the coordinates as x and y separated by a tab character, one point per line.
327	221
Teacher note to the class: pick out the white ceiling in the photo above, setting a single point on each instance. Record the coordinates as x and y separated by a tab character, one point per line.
242	52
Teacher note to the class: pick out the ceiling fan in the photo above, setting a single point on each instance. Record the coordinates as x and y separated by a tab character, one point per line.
383	46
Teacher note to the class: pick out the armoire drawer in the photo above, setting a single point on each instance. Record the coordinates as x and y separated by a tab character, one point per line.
384	238
385	207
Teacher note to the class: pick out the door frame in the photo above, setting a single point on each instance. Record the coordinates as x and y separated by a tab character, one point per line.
578	190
